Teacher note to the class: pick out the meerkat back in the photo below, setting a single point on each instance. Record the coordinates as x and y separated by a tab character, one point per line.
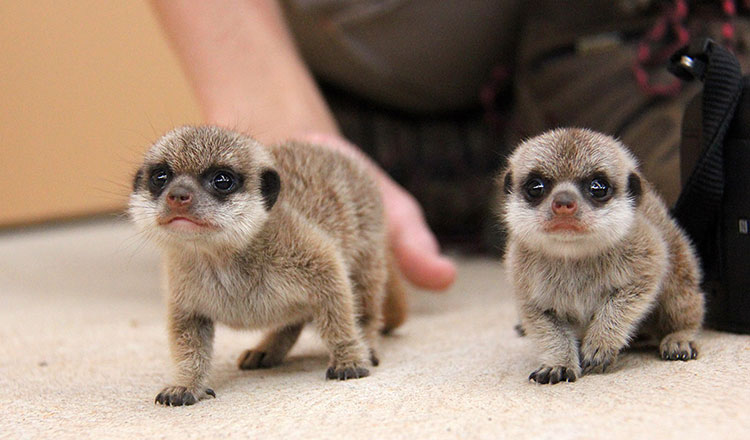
594	257
330	190
263	237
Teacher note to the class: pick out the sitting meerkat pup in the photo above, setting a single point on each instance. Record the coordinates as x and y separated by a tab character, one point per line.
261	236
594	257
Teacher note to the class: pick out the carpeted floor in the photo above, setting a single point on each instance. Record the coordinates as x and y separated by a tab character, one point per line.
83	352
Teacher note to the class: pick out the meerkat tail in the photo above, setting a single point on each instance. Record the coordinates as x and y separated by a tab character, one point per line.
396	307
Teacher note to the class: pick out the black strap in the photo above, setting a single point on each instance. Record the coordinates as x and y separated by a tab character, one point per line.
698	206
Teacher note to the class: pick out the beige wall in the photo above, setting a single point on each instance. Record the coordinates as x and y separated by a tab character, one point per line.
85	85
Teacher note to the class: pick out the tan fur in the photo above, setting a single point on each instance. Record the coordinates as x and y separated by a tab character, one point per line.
396	306
583	297
317	255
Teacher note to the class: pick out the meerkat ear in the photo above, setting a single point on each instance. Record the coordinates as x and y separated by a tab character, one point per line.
270	186
137	179
635	190
507	182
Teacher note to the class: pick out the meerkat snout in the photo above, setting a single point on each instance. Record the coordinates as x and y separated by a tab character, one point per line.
564	203
594	256
179	198
568	201
265	237
213	188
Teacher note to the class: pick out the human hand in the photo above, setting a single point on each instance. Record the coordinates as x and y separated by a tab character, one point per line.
247	75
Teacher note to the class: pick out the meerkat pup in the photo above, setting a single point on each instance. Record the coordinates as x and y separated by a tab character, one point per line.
259	236
594	257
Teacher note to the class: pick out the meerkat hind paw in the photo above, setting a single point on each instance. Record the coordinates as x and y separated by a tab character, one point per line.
179	396
256	359
553	375
595	365
374	359
348	372
673	350
597	358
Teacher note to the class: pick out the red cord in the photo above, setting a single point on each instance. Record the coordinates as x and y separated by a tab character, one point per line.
674	19
652	51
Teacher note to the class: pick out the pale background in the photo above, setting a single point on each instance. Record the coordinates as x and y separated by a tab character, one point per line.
85	86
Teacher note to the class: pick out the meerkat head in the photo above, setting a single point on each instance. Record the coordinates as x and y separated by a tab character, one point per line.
204	187
570	192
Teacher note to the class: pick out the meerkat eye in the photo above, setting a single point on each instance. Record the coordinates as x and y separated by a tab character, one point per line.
534	188
223	181
600	189
159	178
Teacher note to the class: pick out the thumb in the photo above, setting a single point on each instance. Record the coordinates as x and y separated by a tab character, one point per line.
419	259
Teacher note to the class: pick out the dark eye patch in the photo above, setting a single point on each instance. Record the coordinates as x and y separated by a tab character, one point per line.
597	188
535	187
159	176
222	181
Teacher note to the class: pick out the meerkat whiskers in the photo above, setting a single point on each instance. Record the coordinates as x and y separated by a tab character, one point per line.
259	236
594	257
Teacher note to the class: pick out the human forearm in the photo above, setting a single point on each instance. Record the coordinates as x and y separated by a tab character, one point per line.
244	67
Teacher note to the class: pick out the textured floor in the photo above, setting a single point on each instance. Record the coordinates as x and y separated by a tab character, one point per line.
83	352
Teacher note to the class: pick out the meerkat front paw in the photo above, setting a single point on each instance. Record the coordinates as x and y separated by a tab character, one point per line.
346	371
255	359
596	359
179	396
552	375
674	348
374	359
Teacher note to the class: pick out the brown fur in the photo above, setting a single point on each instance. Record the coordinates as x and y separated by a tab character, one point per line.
396	306
583	299
318	254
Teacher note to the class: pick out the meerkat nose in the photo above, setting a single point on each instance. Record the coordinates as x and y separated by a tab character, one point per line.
179	197
564	203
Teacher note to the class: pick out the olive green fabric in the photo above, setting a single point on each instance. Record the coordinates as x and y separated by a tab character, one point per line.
414	55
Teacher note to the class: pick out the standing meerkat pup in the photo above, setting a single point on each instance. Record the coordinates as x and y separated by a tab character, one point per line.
263	237
594	257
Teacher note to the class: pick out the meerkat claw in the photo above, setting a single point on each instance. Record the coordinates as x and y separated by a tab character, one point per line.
181	396
347	373
240	219
374	360
253	360
553	375
592	366
672	350
594	255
